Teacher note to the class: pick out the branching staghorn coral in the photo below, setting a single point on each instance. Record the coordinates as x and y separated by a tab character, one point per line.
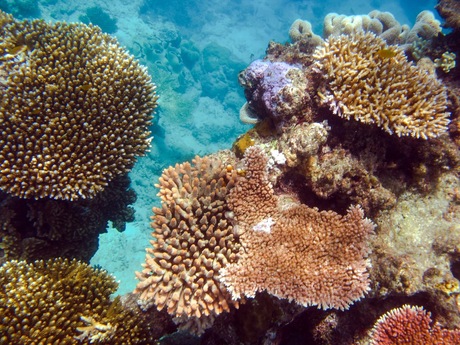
293	251
373	83
193	240
75	109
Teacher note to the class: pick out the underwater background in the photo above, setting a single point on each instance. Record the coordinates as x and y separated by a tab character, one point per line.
195	52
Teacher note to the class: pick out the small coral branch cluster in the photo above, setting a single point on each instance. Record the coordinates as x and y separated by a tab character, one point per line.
222	235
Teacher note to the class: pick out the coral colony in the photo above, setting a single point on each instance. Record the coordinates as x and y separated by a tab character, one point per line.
336	216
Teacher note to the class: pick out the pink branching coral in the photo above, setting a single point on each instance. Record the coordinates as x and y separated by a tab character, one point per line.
292	251
411	325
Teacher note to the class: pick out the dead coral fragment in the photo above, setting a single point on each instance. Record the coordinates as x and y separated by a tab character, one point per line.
411	325
193	241
389	92
295	252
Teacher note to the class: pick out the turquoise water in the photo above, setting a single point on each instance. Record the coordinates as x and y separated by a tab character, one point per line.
194	51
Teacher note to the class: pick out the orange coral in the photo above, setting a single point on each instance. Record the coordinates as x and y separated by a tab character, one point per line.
193	241
293	251
411	325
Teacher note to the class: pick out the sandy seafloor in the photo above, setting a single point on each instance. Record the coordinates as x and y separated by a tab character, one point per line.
199	97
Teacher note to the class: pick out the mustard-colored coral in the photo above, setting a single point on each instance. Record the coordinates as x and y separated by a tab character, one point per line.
193	241
75	108
446	62
62	301
366	85
242	143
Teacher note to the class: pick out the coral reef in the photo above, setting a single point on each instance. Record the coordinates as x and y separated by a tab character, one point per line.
393	93
292	251
74	112
244	242
193	240
65	302
411	325
409	187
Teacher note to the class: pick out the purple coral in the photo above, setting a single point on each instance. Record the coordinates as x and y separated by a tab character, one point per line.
276	90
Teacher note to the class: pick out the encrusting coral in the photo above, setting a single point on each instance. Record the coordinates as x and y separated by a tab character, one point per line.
293	251
59	301
411	325
75	109
193	241
373	83
278	90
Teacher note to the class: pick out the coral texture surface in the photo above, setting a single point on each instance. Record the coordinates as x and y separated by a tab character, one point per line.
75	108
373	83
278	89
59	301
193	241
293	251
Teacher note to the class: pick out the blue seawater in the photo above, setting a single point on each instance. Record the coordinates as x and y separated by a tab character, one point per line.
194	51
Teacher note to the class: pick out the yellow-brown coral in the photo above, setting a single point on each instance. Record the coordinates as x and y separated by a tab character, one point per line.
389	92
75	109
242	143
193	241
59	301
293	251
